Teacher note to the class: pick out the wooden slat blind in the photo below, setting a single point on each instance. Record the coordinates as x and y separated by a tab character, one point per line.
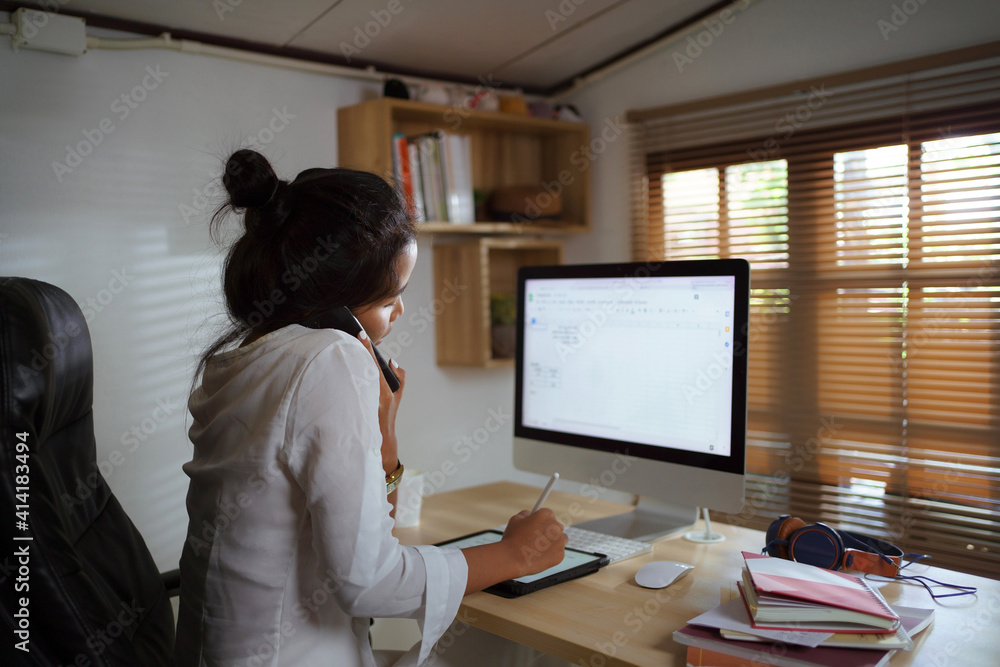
870	213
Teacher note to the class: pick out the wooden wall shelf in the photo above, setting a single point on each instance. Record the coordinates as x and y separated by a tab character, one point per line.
482	257
507	149
476	269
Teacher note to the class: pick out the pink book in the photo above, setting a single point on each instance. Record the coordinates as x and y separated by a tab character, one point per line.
779	581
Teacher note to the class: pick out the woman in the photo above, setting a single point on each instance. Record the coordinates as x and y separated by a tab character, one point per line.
289	551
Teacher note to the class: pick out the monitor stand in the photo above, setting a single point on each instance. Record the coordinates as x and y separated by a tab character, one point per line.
650	520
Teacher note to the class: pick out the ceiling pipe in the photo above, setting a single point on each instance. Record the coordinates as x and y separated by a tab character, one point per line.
165	41
583	81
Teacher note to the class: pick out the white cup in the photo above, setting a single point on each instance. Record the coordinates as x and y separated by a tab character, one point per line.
409	499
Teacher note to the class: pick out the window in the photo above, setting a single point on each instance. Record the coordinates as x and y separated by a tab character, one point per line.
874	340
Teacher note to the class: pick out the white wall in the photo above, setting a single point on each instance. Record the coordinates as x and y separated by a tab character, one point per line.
124	231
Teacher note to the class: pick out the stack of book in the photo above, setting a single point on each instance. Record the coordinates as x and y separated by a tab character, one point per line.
790	613
435	172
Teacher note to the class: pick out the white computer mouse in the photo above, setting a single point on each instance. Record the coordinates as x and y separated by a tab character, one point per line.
661	573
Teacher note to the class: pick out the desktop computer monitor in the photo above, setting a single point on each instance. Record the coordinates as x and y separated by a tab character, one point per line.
633	377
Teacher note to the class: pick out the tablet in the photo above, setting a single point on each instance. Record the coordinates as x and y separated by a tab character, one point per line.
574	564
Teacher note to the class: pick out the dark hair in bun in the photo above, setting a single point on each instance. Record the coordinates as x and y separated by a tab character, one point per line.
329	238
254	187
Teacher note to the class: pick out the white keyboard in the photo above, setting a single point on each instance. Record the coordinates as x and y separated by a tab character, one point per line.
616	548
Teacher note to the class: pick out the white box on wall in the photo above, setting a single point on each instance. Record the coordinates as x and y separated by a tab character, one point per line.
45	31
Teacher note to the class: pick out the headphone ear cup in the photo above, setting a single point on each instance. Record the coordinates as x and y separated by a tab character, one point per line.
818	545
780	532
770	548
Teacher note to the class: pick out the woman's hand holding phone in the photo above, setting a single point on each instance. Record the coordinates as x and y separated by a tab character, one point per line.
388	405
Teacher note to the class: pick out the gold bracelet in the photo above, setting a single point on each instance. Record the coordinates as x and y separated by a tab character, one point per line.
392	479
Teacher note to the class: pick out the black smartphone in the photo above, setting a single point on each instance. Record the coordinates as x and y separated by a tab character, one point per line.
342	318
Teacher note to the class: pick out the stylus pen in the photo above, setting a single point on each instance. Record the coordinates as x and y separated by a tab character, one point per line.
545	492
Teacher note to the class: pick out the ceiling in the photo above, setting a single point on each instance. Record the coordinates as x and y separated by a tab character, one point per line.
539	46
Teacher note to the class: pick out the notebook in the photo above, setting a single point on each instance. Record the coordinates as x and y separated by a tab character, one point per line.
779	591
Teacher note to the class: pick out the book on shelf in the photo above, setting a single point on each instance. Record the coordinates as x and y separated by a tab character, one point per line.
780	592
419	212
456	158
401	168
435	171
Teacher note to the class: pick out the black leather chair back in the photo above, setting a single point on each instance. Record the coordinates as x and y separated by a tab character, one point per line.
94	595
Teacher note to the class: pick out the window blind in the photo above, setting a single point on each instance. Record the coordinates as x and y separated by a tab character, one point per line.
868	205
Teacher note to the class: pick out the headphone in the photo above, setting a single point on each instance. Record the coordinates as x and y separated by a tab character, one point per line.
817	544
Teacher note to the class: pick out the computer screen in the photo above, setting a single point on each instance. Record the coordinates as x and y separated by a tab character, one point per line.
641	361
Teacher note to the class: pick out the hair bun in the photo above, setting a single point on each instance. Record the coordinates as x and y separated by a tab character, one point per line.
249	179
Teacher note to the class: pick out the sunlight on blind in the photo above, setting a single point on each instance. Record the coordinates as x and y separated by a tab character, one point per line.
874	351
691	214
757	203
753	223
861	333
769	311
870	189
950	363
961	198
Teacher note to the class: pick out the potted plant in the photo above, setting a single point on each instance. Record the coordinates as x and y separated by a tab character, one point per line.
503	316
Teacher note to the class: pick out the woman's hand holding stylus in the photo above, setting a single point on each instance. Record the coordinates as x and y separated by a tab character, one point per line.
532	542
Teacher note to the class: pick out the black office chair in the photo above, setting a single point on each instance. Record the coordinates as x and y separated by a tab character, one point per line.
94	595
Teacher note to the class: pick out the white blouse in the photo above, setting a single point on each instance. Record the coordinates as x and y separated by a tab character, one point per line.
289	549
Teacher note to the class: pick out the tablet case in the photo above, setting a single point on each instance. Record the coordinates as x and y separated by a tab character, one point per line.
513	588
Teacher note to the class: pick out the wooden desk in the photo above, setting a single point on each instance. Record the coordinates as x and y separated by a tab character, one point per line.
605	619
